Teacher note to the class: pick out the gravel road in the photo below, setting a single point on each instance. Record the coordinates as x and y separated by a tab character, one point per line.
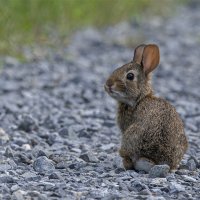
58	135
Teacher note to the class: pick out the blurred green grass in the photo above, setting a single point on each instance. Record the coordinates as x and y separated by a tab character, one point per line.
50	22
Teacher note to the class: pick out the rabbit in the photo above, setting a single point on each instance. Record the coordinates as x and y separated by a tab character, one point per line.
152	131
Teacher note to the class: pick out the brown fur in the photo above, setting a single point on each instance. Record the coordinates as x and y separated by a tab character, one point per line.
151	127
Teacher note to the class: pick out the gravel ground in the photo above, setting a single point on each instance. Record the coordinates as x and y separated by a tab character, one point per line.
58	135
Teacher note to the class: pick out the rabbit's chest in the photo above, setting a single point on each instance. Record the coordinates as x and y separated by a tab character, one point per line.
125	117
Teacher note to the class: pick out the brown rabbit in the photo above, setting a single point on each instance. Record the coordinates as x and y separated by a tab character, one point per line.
152	131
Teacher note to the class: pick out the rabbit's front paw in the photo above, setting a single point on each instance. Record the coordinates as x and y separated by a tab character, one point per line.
128	164
127	161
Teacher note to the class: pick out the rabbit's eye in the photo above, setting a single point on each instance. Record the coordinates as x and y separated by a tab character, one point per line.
130	76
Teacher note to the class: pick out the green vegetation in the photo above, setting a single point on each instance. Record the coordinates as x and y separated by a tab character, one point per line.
25	22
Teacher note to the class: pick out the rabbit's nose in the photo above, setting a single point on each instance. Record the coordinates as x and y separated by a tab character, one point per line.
109	86
109	83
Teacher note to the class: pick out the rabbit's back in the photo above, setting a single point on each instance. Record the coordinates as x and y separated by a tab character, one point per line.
151	113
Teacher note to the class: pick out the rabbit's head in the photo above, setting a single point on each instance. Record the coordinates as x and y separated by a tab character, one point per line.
131	82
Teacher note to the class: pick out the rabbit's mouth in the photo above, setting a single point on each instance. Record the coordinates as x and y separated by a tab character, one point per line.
120	96
116	94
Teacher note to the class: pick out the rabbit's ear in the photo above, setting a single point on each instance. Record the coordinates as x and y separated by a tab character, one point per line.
138	54
151	57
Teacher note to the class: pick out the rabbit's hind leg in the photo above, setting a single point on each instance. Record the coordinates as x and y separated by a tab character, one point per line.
143	164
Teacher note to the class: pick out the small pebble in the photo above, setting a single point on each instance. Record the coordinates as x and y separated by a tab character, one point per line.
14	188
27	123
19	195
89	157
43	164
24	159
41	153
54	176
63	132
188	178
182	172
26	147
8	152
176	188
137	186
7	179
191	164
159	171
4	137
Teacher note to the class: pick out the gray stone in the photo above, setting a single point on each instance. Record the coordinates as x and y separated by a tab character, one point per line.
191	164
24	158
12	164
176	188
20	141
50	123
157	198
102	156
156	191
145	192
14	188
52	138
108	147
188	178
159	171
117	162
42	164
112	197
95	194
27	123
133	173
182	172
89	157
36	195
61	165
4	167
7	179
26	147
137	186
30	176
170	177
42	197
8	152
119	170
4	137
63	132
196	160
123	186
19	195
55	175
75	130
159	182
5	189
41	153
